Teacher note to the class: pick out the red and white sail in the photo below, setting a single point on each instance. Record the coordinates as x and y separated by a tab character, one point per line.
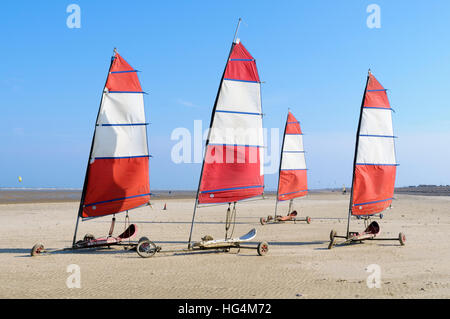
292	182
118	172
375	168
233	167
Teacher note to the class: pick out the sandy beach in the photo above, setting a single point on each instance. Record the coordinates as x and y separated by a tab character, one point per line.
298	265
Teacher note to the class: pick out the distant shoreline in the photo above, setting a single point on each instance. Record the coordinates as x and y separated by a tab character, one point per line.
54	195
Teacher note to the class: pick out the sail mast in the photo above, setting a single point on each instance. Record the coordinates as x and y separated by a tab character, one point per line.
356	154
279	168
83	193
209	132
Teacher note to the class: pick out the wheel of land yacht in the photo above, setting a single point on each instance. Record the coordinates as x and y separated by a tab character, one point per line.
308	220
332	234
402	239
332	243
263	248
37	249
88	237
262	220
146	249
143	238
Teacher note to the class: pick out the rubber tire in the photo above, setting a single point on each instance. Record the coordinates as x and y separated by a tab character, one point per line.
262	220
145	252
308	220
88	237
332	234
37	249
263	248
402	239
332	243
142	239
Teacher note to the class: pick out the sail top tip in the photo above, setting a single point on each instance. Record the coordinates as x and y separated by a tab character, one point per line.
369	72
238	41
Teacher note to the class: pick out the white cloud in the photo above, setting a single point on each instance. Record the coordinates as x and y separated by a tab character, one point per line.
186	103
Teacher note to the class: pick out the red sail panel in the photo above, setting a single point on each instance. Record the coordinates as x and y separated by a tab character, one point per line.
241	65
118	172
374	188
293	178
116	185
230	174
375	169
293	184
376	95
122	77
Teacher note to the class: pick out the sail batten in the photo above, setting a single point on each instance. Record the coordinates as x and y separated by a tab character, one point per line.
118	171
233	164
292	180
375	160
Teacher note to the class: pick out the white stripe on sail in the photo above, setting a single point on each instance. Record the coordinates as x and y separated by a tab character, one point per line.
240	129
120	141
122	108
293	142
293	161
240	97
376	122
376	150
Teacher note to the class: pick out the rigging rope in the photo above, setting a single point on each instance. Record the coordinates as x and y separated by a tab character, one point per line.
231	217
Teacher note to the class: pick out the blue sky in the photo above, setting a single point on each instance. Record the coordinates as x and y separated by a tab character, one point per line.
312	55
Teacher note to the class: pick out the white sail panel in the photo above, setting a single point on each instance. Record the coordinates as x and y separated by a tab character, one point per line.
240	97
122	108
293	142
235	128
376	122
293	161
375	150
120	141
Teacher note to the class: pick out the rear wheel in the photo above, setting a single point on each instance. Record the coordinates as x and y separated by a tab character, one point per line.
142	239
332	243
402	239
332	234
308	220
262	220
263	248
146	249
37	249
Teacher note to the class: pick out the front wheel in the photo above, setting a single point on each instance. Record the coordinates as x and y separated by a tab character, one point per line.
262	220
332	243
263	248
332	234
308	220
37	249
146	249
